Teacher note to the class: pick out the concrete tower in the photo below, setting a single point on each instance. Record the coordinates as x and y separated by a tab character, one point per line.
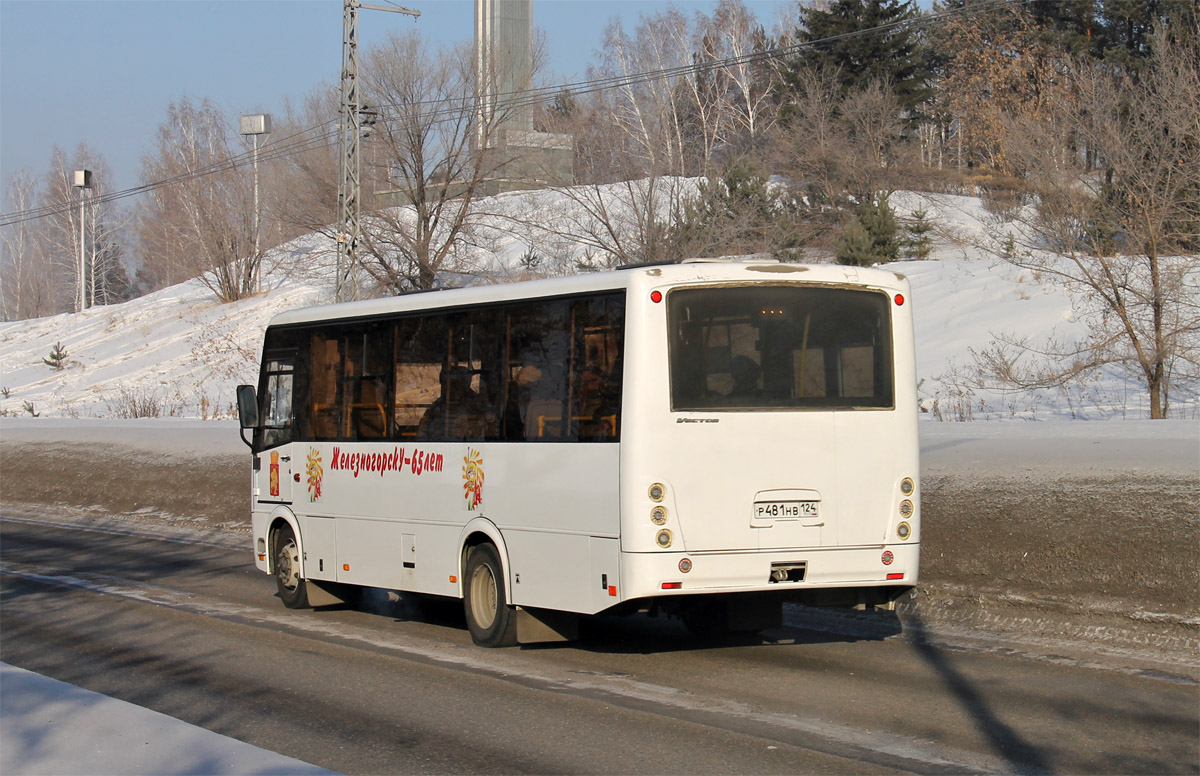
504	66
503	58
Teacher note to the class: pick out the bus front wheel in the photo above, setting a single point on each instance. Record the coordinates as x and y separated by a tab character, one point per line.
292	589
491	620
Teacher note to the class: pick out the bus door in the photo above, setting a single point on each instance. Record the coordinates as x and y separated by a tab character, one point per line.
275	471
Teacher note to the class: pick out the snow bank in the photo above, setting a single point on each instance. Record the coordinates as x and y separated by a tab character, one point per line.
178	352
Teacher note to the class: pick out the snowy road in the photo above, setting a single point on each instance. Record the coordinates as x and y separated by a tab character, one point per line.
193	632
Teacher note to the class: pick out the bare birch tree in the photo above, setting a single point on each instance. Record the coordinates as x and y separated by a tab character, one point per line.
752	109
646	111
201	223
101	277
62	228
27	289
624	223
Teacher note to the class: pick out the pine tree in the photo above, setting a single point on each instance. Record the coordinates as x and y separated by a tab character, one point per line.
865	41
880	222
872	237
918	241
58	357
854	248
740	212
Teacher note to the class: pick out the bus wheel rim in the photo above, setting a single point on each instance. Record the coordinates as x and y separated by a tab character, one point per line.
287	566
483	596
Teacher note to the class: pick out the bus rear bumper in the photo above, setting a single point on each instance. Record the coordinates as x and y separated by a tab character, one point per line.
657	574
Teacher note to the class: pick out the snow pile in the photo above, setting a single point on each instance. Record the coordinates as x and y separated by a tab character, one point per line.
178	352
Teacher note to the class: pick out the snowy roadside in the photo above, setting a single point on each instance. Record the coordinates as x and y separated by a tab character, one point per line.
48	726
1055	449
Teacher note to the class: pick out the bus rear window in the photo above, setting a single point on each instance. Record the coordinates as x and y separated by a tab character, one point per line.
779	347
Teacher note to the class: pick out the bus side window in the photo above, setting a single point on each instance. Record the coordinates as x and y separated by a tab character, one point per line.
469	396
420	352
365	389
322	406
599	333
539	348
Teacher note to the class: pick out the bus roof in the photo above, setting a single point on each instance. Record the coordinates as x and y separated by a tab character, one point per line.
752	269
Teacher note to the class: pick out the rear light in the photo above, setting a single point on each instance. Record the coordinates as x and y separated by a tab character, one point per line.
663	539
899	299
685	565
895	576
658	515
907	486
656	296
906	509
888	557
672	585
904	530
656	492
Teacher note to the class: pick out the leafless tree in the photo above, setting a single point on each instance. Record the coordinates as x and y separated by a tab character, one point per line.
300	194
646	112
53	242
837	151
27	289
62	227
435	152
751	109
1123	239
623	223
201	224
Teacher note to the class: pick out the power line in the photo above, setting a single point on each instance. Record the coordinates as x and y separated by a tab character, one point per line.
447	109
276	150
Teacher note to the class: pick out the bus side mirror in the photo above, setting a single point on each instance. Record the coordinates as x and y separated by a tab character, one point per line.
247	406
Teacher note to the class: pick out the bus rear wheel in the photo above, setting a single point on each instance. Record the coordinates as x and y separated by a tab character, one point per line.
490	619
292	589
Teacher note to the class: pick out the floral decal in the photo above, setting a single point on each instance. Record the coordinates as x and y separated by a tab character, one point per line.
472	471
315	473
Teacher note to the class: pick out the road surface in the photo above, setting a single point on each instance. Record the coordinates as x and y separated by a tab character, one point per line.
186	626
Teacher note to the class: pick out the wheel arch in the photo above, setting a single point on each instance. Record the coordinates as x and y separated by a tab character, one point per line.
482	531
280	517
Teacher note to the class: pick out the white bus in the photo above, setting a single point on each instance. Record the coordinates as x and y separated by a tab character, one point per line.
706	440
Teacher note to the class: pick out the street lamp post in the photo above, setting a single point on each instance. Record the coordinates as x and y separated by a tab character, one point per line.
255	125
82	181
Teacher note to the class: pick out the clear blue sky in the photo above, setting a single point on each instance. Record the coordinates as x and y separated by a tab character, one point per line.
104	71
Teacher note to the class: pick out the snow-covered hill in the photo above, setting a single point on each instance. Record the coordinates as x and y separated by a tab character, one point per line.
179	352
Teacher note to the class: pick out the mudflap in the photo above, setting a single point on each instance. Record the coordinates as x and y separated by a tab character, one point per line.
538	626
329	593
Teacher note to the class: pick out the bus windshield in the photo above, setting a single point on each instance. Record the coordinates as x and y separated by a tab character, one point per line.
739	348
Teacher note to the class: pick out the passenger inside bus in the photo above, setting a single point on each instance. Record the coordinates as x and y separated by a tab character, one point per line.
459	413
744	372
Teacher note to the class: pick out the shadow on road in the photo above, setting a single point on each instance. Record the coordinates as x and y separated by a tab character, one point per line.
1004	740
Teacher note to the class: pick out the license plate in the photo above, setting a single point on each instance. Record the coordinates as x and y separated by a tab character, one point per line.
771	510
